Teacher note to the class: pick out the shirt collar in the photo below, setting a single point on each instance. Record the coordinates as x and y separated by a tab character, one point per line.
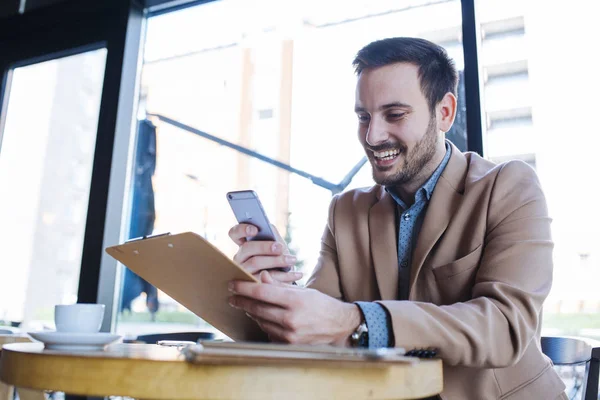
424	192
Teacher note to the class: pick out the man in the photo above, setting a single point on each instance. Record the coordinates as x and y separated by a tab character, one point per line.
448	250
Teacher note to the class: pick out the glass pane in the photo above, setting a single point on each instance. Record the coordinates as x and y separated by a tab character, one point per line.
541	86
279	83
46	155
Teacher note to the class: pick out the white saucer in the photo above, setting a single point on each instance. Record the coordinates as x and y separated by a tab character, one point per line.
74	341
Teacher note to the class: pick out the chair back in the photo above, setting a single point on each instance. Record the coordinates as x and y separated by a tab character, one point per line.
571	351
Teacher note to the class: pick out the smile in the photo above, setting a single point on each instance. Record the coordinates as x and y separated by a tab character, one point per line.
386	155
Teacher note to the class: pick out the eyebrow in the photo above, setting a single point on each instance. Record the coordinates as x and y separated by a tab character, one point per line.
385	106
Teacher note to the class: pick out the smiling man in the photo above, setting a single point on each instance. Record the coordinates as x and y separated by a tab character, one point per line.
448	250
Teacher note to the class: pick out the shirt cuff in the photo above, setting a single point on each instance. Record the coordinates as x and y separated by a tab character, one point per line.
378	323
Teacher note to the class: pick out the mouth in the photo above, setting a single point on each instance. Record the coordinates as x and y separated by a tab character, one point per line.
385	158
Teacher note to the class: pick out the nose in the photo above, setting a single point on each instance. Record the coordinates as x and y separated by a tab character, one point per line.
376	133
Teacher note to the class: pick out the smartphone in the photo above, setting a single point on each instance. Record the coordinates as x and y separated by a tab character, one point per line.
248	210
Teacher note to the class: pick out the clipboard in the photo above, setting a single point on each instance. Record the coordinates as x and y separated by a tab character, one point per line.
277	354
196	274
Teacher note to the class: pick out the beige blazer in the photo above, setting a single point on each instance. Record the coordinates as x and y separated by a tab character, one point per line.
481	269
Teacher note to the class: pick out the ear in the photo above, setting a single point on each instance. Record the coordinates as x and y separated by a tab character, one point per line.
446	112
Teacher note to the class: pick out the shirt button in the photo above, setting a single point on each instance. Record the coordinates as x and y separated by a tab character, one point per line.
403	264
406	216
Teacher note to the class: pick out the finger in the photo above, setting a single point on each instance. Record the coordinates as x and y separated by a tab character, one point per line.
276	333
285	277
280	239
257	264
257	248
239	233
258	309
265	277
278	295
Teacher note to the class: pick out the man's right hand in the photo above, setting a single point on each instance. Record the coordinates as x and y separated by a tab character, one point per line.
257	256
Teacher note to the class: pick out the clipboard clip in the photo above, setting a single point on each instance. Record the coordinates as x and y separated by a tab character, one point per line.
137	239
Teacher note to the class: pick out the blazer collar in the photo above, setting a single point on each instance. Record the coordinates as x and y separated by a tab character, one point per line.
382	225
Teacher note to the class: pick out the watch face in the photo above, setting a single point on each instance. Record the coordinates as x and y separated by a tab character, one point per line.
363	339
360	337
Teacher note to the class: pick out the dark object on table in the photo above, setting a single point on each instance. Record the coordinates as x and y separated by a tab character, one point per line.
179	336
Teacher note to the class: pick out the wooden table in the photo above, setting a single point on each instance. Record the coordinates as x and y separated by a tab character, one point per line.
158	372
13	338
7	391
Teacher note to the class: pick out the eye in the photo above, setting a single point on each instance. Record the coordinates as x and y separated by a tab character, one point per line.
363	118
396	116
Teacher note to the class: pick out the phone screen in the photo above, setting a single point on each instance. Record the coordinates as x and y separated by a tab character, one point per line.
248	210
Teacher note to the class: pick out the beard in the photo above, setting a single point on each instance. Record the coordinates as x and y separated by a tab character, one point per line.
413	162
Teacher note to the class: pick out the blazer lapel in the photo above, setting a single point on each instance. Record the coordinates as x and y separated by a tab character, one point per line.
444	201
384	246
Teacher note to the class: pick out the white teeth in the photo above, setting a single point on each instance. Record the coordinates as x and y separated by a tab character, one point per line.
386	154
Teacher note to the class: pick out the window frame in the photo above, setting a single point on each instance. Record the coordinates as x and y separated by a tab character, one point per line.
74	27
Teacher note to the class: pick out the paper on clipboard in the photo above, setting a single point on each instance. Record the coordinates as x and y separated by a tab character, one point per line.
196	274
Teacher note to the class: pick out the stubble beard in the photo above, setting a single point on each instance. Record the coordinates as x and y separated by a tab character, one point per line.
414	161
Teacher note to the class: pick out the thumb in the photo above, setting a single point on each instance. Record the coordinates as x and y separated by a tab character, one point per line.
265	277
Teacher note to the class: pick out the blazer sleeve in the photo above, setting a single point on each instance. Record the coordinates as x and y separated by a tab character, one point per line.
493	329
326	277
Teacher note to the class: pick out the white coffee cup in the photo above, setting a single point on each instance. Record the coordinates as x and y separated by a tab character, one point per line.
78	318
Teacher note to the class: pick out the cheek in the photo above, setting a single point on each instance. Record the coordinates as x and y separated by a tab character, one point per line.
402	134
409	132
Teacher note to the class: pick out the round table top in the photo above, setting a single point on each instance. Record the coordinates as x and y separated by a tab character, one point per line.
159	372
6	338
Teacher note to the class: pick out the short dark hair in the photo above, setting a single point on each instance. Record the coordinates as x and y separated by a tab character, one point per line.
437	72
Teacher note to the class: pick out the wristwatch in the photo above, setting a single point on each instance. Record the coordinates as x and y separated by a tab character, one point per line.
360	337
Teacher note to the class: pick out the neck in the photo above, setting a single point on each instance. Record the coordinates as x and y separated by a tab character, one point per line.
406	191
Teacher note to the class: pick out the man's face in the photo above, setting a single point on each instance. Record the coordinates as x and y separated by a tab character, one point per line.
395	127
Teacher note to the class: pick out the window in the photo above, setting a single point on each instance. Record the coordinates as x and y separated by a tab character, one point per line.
541	86
47	150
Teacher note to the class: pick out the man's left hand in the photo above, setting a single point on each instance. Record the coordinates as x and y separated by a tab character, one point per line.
293	314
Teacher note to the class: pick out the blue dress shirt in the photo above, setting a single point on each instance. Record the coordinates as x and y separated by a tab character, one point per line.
410	220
